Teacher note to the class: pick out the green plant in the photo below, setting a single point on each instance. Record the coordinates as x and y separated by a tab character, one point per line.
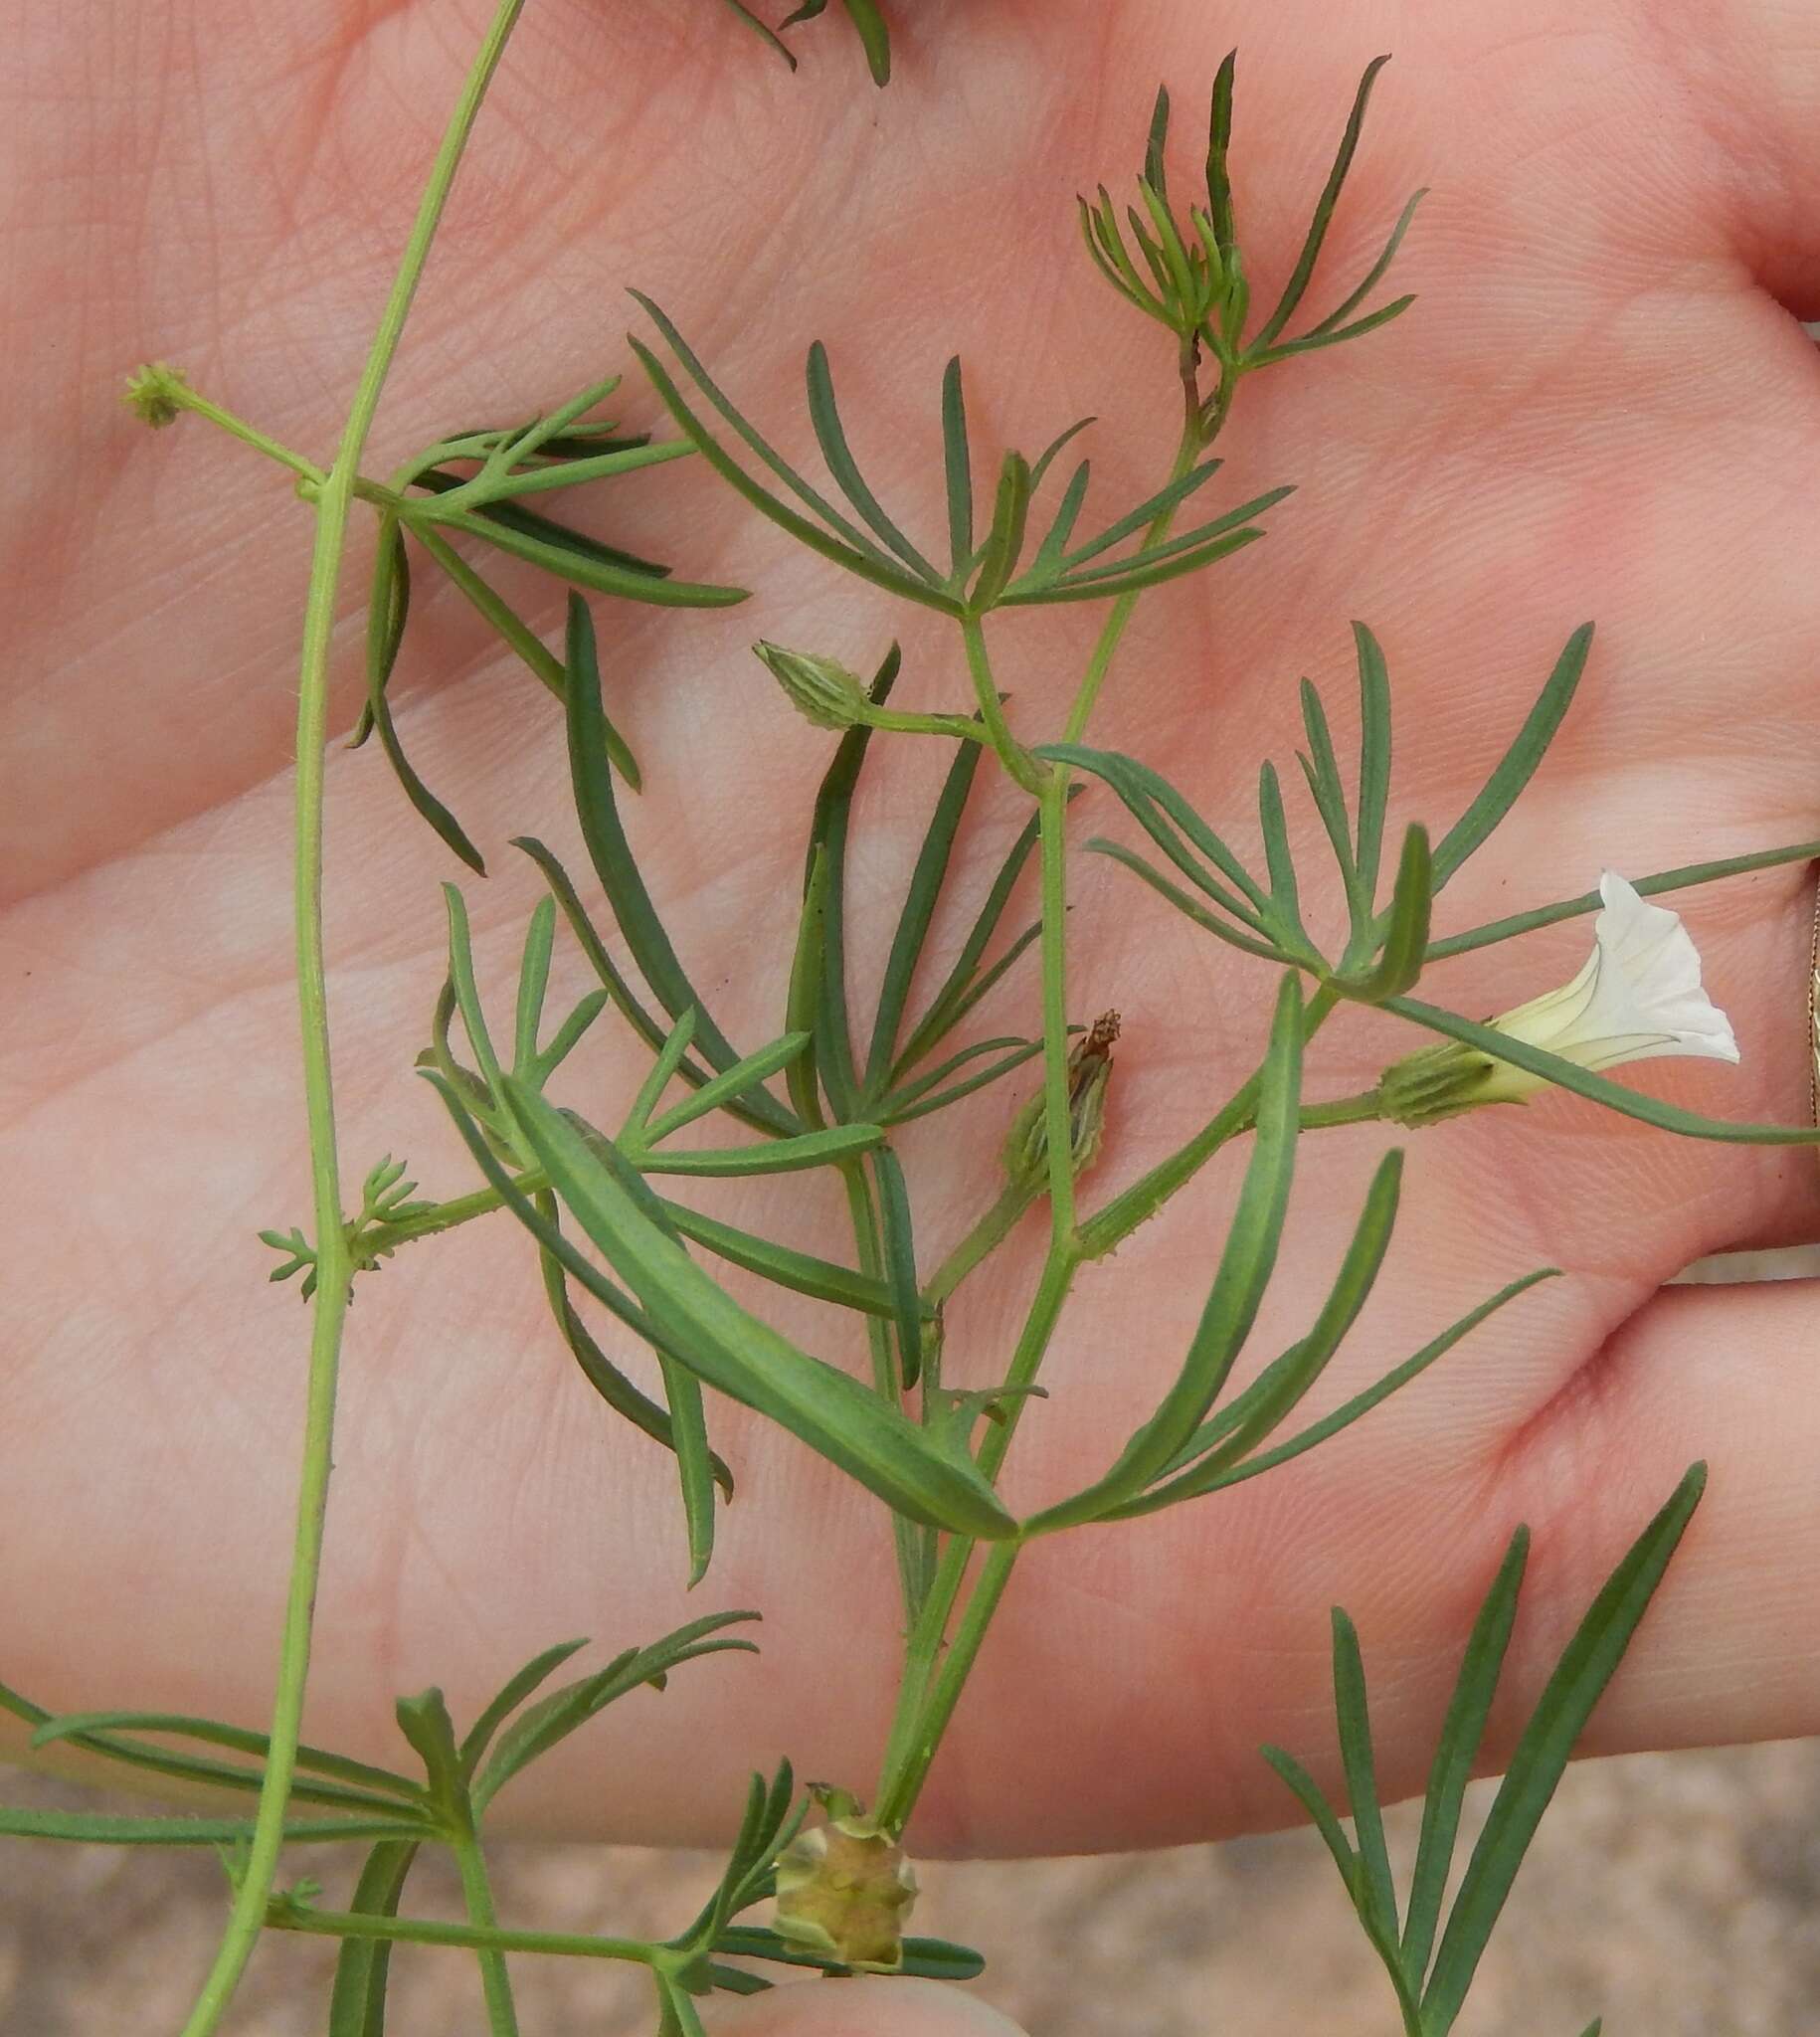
830	1085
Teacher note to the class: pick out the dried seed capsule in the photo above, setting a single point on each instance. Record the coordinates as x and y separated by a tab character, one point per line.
1026	1148
844	1890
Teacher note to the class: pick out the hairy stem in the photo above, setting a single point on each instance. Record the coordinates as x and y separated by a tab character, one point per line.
476	1890
332	1263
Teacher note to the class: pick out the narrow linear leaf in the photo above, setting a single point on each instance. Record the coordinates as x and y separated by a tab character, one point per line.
78	1726
388	610
1307	1792
1321	770
957	467
1097	844
528	523
800	1271
1196	1480
927	1103
533	984
831	435
777	1155
1279	858
97	1828
357	2001
1143	570
662	1074
1313	342
930	1959
1302	272
1005	540
1405	946
1518	765
1586	1666
900	1263
517	1687
1374	760
1377	1891
1167	498
619	877
736	1351
1372	276
1677	879
1462	1733
1243	1273
731	1082
927	878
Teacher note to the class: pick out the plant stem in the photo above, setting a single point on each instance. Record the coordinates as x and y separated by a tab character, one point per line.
186	398
501	2015
992	1230
332	1261
423	1931
1022	767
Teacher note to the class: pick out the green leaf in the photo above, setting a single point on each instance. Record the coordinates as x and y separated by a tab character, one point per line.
1256	1414
1677	879
1373	277
1302	272
777	1155
483	520
83	1728
736	1351
948	1005
662	1074
605	1377
851	549
619	873
957	467
1246	1267
1199	1479
1307	1792
766	32
1518	765
869	24
522	1684
1321	770
1376	1895
827	839
922	1101
799	1271
1143	569
900	1263
913	922
1167	498
1374	760
731	1082
1046	562
533	985
1152	802
385	631
1407	940
357	2002
1313	342
1462	1734
1219	141
466	990
1005	540
928	1959
1585	1668
388	610
831	435
1628	1103
1279	858
99	1828
551	1720
1097	844
504	528
424	1722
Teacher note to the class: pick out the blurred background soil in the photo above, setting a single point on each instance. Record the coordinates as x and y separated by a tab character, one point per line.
1679	1896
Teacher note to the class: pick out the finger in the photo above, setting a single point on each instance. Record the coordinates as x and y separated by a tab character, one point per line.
1730	1650
904	2008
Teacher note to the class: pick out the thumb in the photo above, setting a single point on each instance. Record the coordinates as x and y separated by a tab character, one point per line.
860	2008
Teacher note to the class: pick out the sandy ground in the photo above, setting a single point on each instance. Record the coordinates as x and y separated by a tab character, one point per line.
1677	1895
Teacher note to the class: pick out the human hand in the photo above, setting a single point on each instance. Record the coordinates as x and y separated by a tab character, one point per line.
1614	218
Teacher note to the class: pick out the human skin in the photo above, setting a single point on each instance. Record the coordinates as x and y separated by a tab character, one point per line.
1602	406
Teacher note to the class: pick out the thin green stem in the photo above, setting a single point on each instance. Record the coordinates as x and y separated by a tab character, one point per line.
423	1931
1020	765
333	1266
992	1230
186	398
957	725
477	1892
1059	1122
1345	1110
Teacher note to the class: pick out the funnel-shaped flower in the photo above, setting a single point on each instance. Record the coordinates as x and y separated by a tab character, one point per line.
1638	997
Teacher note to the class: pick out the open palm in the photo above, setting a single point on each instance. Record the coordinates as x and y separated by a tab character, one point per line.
1602	407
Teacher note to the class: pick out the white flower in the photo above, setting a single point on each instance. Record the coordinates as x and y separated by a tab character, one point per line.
1638	997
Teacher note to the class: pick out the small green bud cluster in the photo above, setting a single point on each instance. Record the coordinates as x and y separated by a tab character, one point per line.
156	392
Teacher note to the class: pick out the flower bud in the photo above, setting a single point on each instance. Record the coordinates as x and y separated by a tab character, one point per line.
1027	1149
819	689
152	393
844	1890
